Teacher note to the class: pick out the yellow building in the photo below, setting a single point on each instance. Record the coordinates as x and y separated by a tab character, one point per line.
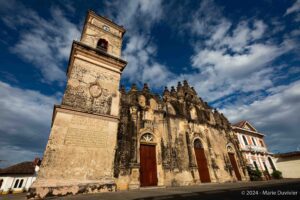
288	164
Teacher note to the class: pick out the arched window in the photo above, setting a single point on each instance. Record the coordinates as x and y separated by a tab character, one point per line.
16	183
147	137
230	149
21	183
198	144
261	143
245	140
102	44
255	165
253	140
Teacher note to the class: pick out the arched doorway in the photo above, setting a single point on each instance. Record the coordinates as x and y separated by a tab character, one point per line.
233	162
148	167
201	161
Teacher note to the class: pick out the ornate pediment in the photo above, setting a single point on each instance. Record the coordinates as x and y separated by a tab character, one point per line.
248	126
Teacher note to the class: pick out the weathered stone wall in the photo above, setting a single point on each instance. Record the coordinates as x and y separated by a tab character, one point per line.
175	121
91	149
79	157
92	89
75	138
96	29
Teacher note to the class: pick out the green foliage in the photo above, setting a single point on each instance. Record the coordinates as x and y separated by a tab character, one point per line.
277	174
255	175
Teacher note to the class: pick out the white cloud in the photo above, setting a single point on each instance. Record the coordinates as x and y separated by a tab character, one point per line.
231	57
25	117
43	42
276	115
138	17
294	8
142	67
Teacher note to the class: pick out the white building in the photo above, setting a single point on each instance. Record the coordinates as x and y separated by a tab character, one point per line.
254	149
19	177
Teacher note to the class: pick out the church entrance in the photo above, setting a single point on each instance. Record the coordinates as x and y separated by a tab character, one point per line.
201	162
234	165
148	171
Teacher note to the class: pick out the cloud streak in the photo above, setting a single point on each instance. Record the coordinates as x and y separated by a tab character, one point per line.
43	42
139	17
277	116
25	117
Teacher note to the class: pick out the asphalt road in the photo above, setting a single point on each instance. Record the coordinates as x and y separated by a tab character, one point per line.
276	189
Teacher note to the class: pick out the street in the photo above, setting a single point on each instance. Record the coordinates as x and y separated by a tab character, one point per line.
275	189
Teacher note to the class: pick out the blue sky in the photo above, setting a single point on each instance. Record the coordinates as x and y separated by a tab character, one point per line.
241	56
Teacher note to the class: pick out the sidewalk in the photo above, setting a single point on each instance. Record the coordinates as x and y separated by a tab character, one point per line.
185	192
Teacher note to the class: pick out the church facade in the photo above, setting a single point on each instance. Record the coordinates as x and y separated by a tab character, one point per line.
104	138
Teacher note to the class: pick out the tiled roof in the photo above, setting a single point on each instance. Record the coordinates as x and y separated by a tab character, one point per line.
20	168
287	154
240	124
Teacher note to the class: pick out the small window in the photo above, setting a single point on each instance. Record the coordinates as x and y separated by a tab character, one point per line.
253	140
21	183
102	44
1	182
271	163
16	183
106	28
255	165
230	149
261	143
245	140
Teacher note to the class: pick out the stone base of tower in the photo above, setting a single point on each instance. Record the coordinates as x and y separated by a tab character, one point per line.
40	191
79	155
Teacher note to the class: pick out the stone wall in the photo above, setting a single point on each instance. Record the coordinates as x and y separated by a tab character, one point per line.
176	120
79	156
289	166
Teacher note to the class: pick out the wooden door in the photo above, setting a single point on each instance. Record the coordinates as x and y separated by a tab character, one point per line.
202	165
235	167
148	171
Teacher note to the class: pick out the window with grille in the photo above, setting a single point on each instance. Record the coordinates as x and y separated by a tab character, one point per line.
16	183
245	140
147	137
21	183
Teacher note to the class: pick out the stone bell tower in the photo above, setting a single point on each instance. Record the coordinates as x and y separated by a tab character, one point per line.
80	152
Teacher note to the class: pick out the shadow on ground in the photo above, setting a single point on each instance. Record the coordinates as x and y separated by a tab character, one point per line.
287	191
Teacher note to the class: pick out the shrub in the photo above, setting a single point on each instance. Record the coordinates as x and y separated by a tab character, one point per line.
255	175
276	174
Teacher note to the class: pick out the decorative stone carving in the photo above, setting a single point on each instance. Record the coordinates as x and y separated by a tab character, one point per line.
95	89
183	120
147	137
153	104
142	101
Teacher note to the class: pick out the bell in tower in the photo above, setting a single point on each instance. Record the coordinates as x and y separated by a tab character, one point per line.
80	151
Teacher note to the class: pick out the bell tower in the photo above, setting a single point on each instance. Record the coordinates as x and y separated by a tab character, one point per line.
80	152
